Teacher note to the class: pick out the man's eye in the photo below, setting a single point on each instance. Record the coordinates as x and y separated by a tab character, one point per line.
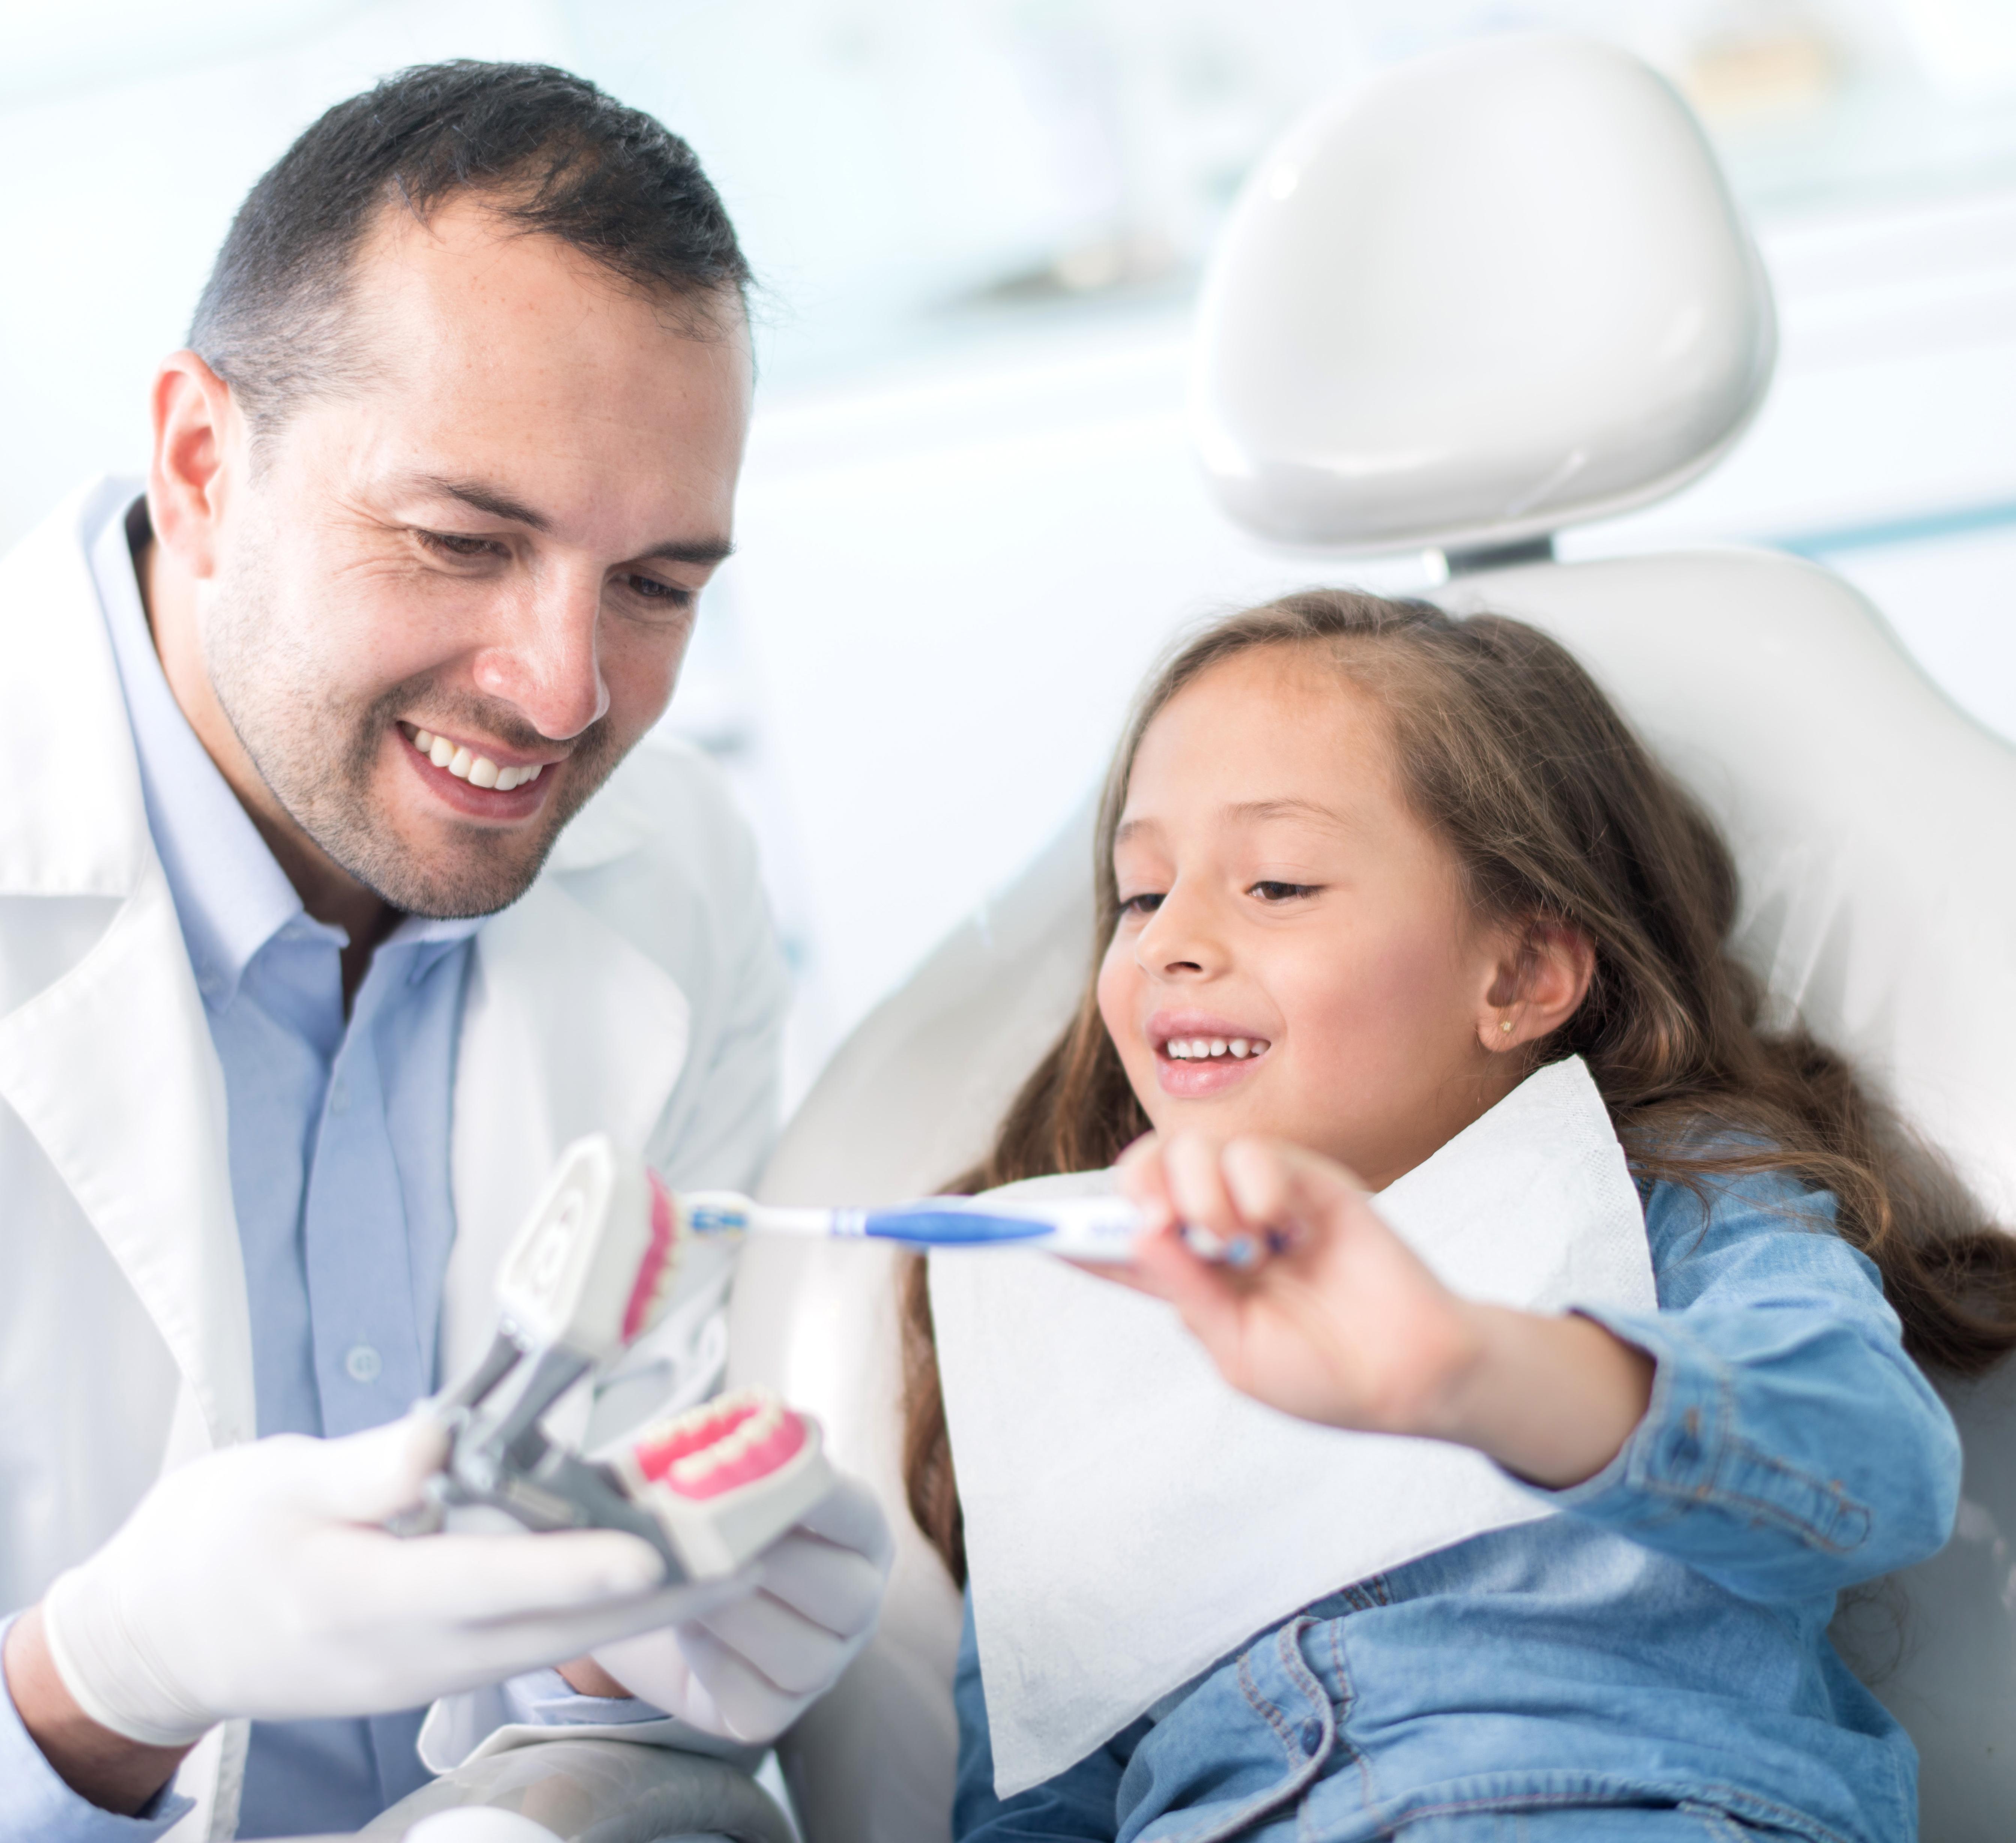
669	594
1145	904
1269	890
455	544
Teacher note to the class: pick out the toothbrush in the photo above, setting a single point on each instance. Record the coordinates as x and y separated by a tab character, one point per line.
1097	1229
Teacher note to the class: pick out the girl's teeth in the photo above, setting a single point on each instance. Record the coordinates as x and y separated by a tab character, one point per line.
1213	1048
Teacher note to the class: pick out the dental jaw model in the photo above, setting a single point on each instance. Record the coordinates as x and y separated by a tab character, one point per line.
588	1274
591	1271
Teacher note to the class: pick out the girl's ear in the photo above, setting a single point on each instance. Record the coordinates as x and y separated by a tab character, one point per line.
1543	976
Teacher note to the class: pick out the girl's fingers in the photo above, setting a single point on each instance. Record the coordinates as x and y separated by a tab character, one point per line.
1196	1187
1144	1181
1205	1297
1290	1191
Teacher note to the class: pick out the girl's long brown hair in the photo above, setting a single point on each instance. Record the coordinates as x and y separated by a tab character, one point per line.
1509	752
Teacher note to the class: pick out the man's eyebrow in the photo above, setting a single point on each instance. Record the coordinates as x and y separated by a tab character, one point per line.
489	499
693	550
497	504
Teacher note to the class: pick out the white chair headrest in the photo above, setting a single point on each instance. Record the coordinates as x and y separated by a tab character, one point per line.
1487	293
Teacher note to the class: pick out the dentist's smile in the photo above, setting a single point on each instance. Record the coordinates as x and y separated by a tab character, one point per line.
468	777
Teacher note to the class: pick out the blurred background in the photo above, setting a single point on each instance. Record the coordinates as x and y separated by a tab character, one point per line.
970	519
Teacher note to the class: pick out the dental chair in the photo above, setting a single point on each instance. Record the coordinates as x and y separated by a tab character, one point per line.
1490	295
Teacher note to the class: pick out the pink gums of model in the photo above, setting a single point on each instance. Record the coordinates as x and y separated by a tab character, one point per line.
722	1445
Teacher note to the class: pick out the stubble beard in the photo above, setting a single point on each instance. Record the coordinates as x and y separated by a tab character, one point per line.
317	754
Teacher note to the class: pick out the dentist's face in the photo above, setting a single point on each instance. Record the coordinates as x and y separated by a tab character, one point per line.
1295	955
443	605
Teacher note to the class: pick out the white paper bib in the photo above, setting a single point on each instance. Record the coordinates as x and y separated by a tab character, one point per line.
1130	1518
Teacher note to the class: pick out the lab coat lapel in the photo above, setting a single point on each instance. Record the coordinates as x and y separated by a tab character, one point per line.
110	1064
567	1029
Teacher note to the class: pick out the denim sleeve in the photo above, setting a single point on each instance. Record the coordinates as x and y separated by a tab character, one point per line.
1791	1449
1083	1802
36	1806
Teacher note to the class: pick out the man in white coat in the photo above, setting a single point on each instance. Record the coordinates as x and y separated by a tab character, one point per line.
334	900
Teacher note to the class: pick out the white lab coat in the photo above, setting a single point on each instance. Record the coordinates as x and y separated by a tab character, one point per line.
636	988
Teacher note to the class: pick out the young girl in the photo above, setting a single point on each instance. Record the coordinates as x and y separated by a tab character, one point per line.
1363	867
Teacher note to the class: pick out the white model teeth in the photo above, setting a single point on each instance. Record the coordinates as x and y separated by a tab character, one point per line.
750	1431
1211	1048
479	771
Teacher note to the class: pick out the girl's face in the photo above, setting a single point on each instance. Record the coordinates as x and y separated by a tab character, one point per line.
1278	898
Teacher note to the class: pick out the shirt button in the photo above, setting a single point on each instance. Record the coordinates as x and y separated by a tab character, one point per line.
1312	1736
362	1363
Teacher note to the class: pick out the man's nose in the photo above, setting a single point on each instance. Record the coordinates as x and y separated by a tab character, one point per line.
546	662
1180	939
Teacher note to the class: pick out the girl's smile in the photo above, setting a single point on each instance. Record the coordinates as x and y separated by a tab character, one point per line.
1296	952
1201	1052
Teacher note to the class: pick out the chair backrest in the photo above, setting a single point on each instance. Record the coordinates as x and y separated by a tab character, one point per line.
1871	819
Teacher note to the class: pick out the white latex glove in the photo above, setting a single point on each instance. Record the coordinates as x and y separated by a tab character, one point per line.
748	1670
257	1581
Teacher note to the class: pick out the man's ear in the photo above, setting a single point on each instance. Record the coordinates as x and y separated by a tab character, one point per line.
1542	975
198	433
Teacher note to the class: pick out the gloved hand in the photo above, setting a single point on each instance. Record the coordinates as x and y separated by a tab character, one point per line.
746	1670
257	1581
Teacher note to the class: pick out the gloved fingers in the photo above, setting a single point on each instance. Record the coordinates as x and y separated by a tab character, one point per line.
499	1648
361	1478
796	1655
752	1707
834	1587
653	1667
466	1580
850	1515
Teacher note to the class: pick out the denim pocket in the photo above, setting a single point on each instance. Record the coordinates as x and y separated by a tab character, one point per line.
1291	1711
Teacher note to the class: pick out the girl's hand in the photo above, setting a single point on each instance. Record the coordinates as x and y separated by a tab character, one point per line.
1337	1320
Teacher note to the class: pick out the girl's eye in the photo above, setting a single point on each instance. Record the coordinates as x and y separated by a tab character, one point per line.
1145	904
1269	891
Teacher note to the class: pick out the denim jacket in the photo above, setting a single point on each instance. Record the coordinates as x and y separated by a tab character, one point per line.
1662	1641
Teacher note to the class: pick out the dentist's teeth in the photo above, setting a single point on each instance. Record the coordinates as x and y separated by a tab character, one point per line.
460	763
1239	1047
423	739
441	751
507	778
537	769
483	772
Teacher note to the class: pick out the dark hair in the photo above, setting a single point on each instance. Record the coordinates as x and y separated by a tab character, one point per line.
549	152
1509	751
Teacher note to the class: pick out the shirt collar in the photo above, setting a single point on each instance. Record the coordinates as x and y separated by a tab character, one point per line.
230	893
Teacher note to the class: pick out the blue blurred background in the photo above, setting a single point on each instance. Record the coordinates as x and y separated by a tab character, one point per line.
969	518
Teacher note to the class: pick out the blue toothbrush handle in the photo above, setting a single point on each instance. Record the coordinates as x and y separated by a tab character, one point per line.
949	1228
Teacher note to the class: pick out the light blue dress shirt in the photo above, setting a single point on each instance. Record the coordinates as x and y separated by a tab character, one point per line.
339	1147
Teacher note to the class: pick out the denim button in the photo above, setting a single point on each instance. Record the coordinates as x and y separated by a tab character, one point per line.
1312	1735
362	1363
